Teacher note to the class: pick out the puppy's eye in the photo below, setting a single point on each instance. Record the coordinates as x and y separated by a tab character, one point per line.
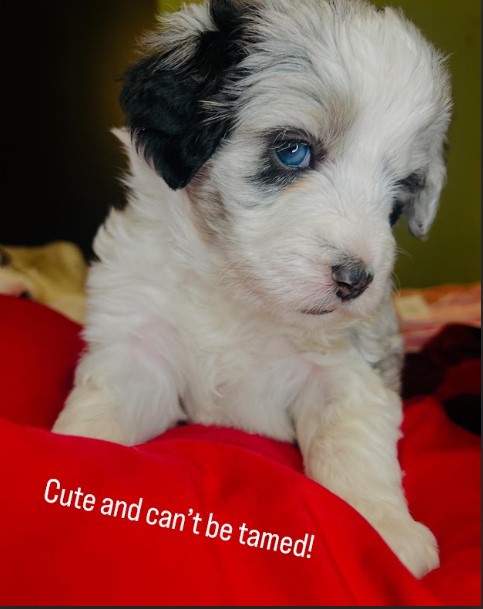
294	154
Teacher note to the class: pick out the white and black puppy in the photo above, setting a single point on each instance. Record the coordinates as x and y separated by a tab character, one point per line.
273	144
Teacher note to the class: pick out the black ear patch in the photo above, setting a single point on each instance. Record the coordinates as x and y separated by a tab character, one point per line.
408	190
163	105
396	212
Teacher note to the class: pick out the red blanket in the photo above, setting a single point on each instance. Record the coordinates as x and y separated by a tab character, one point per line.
211	516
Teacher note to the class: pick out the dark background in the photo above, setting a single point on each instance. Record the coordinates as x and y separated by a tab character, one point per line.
61	61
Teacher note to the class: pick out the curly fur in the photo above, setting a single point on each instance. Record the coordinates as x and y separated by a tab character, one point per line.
225	291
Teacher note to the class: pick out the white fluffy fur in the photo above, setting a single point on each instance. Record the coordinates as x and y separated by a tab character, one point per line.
195	306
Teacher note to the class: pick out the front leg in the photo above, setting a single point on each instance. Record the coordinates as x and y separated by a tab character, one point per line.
347	425
126	392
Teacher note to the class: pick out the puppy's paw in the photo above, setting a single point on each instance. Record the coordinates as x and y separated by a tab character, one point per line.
98	428
413	543
89	412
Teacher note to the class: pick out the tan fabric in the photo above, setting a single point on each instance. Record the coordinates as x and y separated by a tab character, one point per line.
422	313
53	274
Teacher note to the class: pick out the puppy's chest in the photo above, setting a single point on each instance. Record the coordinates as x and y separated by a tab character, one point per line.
249	377
227	355
243	387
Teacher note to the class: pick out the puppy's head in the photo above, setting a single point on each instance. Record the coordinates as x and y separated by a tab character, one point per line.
301	130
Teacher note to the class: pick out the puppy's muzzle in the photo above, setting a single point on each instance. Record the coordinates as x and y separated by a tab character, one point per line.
351	279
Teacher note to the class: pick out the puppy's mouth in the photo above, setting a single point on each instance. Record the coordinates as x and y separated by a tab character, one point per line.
317	311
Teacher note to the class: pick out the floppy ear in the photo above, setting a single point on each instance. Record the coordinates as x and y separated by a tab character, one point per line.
164	95
423	205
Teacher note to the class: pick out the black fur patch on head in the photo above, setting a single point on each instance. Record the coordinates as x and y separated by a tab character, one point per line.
413	184
163	106
407	188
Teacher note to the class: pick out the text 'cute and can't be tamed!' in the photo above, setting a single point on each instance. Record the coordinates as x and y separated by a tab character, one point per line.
185	522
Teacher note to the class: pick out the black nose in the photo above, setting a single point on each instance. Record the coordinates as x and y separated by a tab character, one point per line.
351	279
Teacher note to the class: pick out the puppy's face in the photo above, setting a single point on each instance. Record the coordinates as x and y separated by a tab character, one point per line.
301	130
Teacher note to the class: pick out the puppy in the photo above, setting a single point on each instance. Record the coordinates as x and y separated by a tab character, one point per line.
273	145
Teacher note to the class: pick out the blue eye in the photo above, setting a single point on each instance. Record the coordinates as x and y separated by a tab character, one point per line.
293	154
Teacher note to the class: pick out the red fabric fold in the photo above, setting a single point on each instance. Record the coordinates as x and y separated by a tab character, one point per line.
53	554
